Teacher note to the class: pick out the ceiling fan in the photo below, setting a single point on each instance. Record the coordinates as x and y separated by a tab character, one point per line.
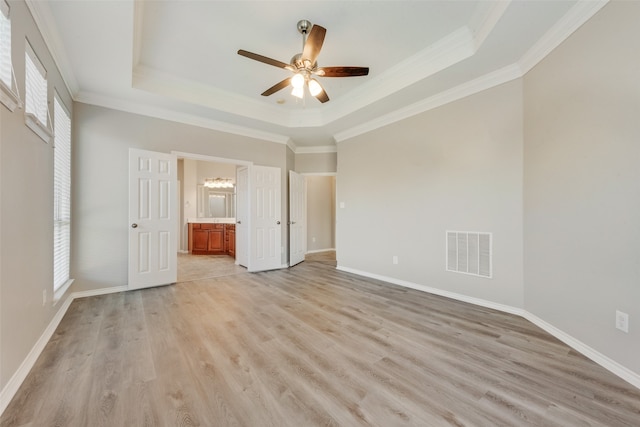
304	65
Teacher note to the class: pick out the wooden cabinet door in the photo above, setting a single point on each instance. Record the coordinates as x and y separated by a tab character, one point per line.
216	240
231	243
200	240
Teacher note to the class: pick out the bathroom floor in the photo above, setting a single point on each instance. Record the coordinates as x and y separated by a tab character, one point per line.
196	267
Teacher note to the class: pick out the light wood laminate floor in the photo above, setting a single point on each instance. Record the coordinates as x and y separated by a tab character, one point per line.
309	346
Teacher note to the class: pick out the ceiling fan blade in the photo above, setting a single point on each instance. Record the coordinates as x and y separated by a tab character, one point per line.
276	87
342	71
314	43
265	60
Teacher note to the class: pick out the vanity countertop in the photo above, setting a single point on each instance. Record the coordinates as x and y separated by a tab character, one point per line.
212	220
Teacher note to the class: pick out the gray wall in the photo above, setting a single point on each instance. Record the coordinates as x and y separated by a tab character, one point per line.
321	212
316	162
101	171
582	184
26	229
458	167
548	163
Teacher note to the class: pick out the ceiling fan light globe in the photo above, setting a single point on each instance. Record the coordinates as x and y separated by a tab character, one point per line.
314	87
298	92
297	81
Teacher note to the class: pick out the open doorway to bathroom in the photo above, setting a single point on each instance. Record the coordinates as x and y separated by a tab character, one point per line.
207	211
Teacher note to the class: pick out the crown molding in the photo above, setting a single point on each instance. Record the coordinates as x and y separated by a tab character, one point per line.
449	50
317	149
165	84
170	115
42	16
580	13
442	54
485	19
138	18
487	81
311	150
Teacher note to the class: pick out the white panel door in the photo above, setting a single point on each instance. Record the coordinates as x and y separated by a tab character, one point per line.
153	219
265	226
242	217
297	218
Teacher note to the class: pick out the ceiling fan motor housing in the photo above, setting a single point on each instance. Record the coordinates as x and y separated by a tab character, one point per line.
300	64
304	26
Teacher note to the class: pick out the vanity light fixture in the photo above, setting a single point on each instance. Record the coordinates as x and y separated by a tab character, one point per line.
219	183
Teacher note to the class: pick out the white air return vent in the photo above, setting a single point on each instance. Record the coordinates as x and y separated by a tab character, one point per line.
469	252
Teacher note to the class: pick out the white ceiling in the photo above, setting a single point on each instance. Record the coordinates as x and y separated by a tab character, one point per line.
178	60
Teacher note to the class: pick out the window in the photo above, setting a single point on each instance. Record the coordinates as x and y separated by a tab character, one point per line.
61	197
5	44
36	95
7	89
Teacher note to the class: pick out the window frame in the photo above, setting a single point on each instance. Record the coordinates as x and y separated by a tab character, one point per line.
37	117
8	89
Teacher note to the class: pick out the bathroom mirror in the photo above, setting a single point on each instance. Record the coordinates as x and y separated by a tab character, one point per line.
216	202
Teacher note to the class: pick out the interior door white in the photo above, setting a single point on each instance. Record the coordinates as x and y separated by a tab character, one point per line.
265	221
242	217
153	219
297	218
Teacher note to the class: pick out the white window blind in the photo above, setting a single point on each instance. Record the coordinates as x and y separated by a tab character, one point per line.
62	194
5	45
36	86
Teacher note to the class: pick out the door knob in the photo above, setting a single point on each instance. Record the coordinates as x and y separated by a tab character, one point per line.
293	222
134	225
278	222
239	222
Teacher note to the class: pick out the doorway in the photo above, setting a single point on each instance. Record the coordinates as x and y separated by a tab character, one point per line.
321	213
198	203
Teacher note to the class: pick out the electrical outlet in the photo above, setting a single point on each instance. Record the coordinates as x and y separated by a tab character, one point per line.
44	297
313	239
622	321
395	259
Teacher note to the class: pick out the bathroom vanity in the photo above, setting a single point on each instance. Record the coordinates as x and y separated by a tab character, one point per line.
215	236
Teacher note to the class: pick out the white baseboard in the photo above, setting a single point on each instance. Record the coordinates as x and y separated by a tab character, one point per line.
102	291
436	291
315	251
626	374
11	388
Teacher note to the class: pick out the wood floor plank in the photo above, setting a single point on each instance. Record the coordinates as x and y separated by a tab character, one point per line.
307	346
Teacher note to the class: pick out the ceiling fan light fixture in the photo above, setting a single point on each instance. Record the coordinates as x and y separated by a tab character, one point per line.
314	87
297	81
298	92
